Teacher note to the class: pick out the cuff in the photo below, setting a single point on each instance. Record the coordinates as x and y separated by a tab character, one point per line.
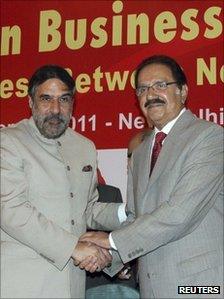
112	245
121	213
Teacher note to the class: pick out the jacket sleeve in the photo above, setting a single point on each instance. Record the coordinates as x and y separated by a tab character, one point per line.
20	219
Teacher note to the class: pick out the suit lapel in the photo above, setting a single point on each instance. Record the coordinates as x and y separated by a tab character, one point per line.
144	163
172	147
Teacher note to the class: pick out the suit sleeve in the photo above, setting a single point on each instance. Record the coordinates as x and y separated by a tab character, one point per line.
21	220
199	185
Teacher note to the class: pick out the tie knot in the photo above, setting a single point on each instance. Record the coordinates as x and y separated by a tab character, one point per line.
160	136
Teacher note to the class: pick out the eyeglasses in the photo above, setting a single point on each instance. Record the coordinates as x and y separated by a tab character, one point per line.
157	86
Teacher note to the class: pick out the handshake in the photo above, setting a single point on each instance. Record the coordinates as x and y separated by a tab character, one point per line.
92	251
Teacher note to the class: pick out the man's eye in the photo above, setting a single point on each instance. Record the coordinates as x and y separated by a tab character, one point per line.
161	85
142	89
65	99
45	99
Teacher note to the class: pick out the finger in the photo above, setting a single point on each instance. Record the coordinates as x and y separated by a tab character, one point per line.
126	276
86	236
105	257
98	269
90	239
76	262
93	268
103	261
90	260
107	254
86	261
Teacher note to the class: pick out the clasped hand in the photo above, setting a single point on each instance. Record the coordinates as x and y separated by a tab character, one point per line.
91	252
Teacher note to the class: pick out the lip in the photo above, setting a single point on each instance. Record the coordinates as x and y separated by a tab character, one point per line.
54	122
155	105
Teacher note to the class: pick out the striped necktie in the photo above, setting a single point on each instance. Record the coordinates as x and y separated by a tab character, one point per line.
156	148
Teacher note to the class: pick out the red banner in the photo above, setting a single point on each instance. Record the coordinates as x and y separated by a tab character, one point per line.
102	42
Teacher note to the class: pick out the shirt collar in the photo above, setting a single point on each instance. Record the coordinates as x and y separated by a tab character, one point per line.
166	129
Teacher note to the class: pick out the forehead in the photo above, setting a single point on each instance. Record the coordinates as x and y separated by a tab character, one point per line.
52	86
155	72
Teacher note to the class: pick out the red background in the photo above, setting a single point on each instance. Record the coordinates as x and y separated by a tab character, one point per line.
107	105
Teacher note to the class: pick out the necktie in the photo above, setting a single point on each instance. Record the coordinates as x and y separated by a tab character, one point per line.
156	148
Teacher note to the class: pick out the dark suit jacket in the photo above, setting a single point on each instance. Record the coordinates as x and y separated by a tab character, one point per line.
109	193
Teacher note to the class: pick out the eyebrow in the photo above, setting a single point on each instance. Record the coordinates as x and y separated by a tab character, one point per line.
48	95
158	80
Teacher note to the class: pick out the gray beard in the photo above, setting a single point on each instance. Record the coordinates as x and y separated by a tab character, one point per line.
51	126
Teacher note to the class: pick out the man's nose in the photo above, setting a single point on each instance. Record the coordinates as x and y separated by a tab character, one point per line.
150	93
55	106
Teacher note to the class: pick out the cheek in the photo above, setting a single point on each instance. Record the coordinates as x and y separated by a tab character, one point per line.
145	112
174	104
66	111
142	103
41	109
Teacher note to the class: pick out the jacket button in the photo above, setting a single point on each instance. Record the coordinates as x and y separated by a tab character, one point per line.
71	194
72	222
68	167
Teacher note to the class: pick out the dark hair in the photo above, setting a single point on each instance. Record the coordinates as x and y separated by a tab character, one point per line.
175	68
48	72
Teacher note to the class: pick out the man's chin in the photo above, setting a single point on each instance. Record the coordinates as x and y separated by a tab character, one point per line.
53	132
155	110
155	114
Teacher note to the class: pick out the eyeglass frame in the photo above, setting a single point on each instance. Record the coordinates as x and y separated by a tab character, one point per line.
153	87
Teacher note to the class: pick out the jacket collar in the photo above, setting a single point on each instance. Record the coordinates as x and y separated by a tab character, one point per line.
173	145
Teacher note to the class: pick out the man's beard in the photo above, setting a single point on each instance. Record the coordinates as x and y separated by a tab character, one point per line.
51	126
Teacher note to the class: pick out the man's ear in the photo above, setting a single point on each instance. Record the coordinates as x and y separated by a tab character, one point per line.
183	92
30	102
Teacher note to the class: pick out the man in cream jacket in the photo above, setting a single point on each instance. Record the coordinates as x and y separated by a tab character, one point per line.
49	197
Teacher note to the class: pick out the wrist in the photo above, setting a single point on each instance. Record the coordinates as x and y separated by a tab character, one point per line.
111	242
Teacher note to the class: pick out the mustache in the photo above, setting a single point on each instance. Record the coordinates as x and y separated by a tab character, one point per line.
57	117
154	101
